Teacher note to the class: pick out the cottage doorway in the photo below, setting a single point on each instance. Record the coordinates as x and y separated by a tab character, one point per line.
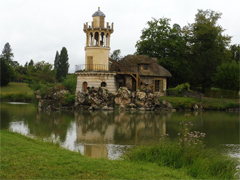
85	84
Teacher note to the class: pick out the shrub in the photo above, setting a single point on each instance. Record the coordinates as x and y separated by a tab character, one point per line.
179	89
70	83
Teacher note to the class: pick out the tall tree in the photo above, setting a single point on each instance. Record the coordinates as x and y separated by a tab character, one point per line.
235	51
8	55
56	61
116	55
6	72
208	47
167	44
62	65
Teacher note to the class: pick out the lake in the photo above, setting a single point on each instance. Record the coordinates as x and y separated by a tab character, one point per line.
109	134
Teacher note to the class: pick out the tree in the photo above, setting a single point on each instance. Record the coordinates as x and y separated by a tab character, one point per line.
8	55
227	76
168	46
62	65
208	47
235	51
56	61
6	72
116	55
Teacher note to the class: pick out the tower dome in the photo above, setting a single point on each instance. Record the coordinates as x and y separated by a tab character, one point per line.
98	13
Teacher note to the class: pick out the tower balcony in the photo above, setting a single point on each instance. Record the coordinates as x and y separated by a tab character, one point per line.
92	25
91	67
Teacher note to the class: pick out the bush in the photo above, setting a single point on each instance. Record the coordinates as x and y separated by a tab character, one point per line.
179	89
70	83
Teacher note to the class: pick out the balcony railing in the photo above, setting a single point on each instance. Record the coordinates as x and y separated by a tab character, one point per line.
103	67
91	67
90	25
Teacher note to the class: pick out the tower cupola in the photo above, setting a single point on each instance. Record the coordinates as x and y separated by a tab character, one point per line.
98	35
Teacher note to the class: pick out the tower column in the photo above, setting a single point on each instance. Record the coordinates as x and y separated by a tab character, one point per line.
104	41
87	37
109	40
99	37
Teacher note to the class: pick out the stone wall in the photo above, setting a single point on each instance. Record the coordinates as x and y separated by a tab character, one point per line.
94	79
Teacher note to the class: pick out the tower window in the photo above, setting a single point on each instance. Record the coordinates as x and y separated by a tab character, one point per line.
103	84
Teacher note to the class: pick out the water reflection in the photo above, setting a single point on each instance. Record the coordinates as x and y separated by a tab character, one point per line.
108	134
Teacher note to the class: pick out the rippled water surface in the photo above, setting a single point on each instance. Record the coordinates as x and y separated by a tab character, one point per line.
109	134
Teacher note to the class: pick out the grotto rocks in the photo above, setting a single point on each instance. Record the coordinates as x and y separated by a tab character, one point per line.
123	99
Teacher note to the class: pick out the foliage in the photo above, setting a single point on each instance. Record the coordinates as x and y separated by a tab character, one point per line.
227	76
168	46
61	64
29	158
235	51
116	55
208	47
70	83
179	89
187	152
40	73
6	72
69	98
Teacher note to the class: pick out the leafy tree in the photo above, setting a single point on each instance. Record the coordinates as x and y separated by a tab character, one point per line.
116	55
208	47
8	55
62	65
227	76
70	83
40	73
235	51
56	61
6	72
168	46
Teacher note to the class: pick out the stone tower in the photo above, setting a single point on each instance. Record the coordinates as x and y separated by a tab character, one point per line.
95	72
97	48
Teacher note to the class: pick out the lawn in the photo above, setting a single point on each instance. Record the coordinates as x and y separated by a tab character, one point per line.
26	158
16	88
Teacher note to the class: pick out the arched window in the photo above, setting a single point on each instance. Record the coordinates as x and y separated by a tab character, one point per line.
103	84
84	86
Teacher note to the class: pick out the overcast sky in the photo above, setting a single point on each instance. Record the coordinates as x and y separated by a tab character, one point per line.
36	29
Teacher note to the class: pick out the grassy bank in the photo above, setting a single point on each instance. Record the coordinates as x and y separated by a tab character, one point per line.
16	92
206	103
26	158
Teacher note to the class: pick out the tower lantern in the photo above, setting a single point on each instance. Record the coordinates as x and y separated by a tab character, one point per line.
97	49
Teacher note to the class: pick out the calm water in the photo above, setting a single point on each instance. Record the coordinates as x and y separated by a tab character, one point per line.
108	134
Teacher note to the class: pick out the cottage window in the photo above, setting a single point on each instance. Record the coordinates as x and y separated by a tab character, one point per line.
157	85
145	66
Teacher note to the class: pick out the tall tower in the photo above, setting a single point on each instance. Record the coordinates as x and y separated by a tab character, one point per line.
95	72
97	47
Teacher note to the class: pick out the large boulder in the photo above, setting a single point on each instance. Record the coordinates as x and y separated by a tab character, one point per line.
140	98
122	97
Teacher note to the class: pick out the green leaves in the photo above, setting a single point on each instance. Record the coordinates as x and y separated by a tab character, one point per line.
227	76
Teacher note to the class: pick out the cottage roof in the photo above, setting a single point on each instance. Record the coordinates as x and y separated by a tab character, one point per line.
154	68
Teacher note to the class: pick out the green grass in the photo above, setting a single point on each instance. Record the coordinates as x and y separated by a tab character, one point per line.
200	164
26	158
16	92
206	103
14	88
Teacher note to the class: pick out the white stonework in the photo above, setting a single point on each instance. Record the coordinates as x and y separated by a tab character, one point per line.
95	79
